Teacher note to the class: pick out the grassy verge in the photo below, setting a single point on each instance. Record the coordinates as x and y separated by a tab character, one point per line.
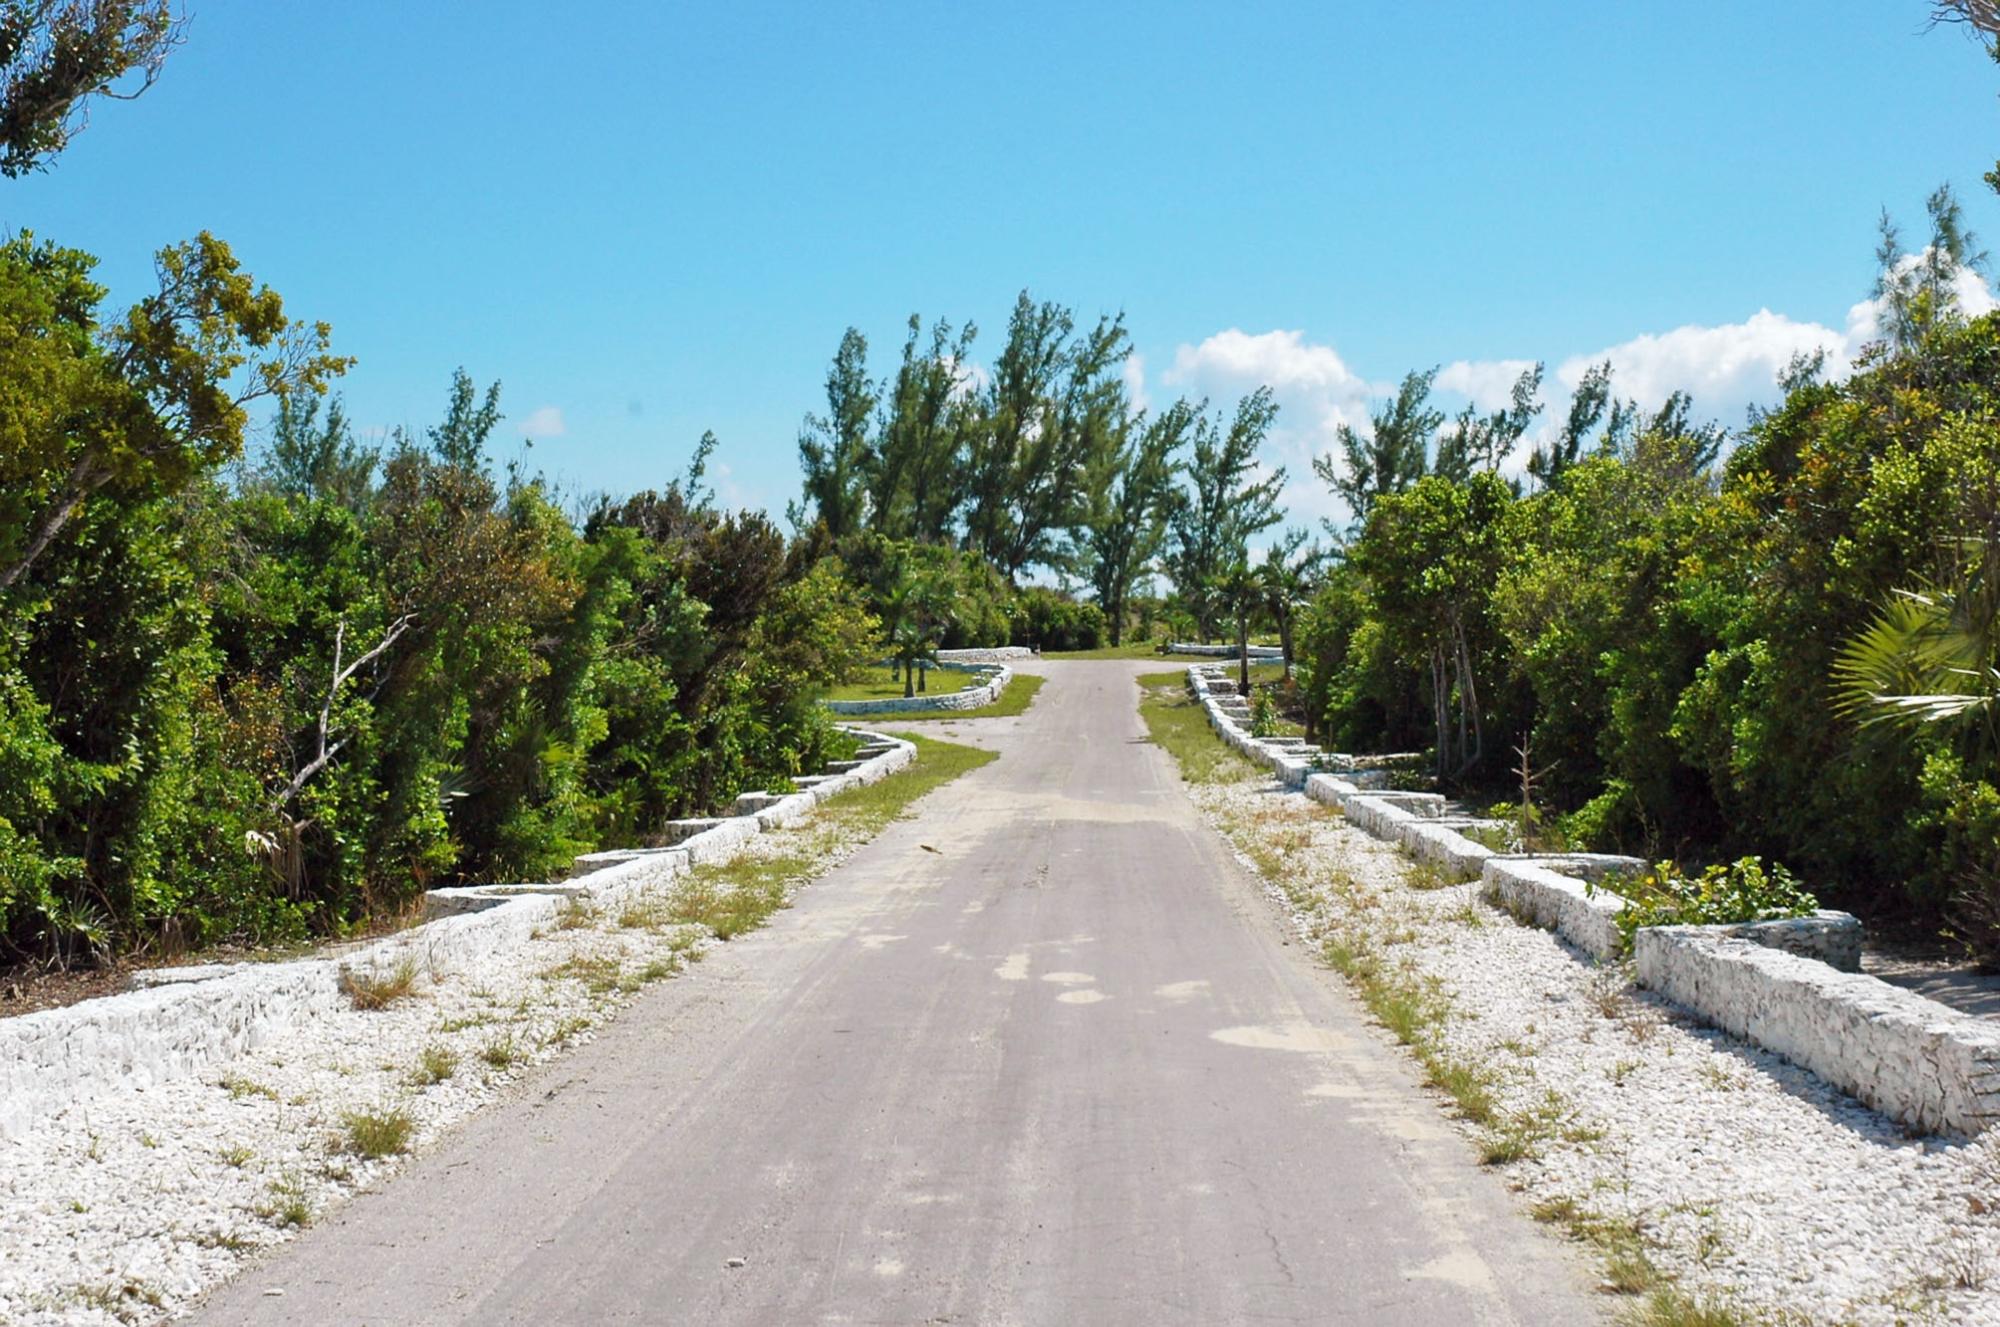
1363	932
1174	721
737	896
1131	649
882	684
1020	694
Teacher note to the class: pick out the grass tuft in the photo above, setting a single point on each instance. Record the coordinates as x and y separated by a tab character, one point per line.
434	1065
502	1052
377	1134
379	990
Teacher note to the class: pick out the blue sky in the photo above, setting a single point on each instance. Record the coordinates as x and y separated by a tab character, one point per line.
658	218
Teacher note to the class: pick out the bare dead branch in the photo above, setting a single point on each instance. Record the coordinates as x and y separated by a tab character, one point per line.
1981	15
342	673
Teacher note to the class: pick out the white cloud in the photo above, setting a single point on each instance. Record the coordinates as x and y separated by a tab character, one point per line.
1726	368
1134	374
1315	390
1280	360
546	422
1487	382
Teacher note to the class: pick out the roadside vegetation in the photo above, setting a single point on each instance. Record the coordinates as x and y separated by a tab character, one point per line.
1367	922
1015	700
265	678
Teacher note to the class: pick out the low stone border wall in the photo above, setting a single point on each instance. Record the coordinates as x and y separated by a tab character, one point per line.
969	698
1264	652
183	1021
1793	987
986	654
1911	1058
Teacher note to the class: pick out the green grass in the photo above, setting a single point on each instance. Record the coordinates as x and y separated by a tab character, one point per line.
1131	649
377	1134
436	1064
876	683
1175	722
379	990
735	897
1020	694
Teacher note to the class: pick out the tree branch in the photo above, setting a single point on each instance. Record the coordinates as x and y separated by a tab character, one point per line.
341	675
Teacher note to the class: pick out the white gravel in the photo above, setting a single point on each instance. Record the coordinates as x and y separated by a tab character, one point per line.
1751	1182
127	1207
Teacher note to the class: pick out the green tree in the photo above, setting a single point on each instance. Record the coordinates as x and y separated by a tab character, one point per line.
1286	578
1590	404
317	456
1929	657
142	406
1240	592
55	55
1431	555
915	471
1393	456
1225	502
834	448
1478	442
1918	291
1055	408
1129	527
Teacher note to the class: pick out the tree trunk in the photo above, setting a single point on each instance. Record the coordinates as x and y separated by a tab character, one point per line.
1285	641
923	674
1243	650
1441	711
909	679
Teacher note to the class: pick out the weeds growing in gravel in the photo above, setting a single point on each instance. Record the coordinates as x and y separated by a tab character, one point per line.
502	1052
434	1065
575	914
377	1134
1668	1307
286	1203
598	972
239	1087
379	990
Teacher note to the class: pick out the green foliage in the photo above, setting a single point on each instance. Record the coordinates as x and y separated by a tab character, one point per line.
1227	499
1263	714
1051	621
55	57
283	706
1742	891
1392	457
1696	653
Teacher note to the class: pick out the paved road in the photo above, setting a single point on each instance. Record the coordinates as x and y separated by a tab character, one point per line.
1065	1069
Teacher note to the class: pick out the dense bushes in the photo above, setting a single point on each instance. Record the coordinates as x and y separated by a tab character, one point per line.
1046	620
284	698
1663	635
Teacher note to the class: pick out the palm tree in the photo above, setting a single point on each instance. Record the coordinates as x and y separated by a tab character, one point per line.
1929	657
1241	590
1286	577
912	618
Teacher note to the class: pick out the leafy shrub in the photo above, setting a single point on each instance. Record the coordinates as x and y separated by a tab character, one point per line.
1049	621
1263	714
1743	891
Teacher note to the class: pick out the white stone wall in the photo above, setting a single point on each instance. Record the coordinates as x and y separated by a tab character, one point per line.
1263	652
175	1027
1913	1059
971	698
986	654
1792	986
1530	889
